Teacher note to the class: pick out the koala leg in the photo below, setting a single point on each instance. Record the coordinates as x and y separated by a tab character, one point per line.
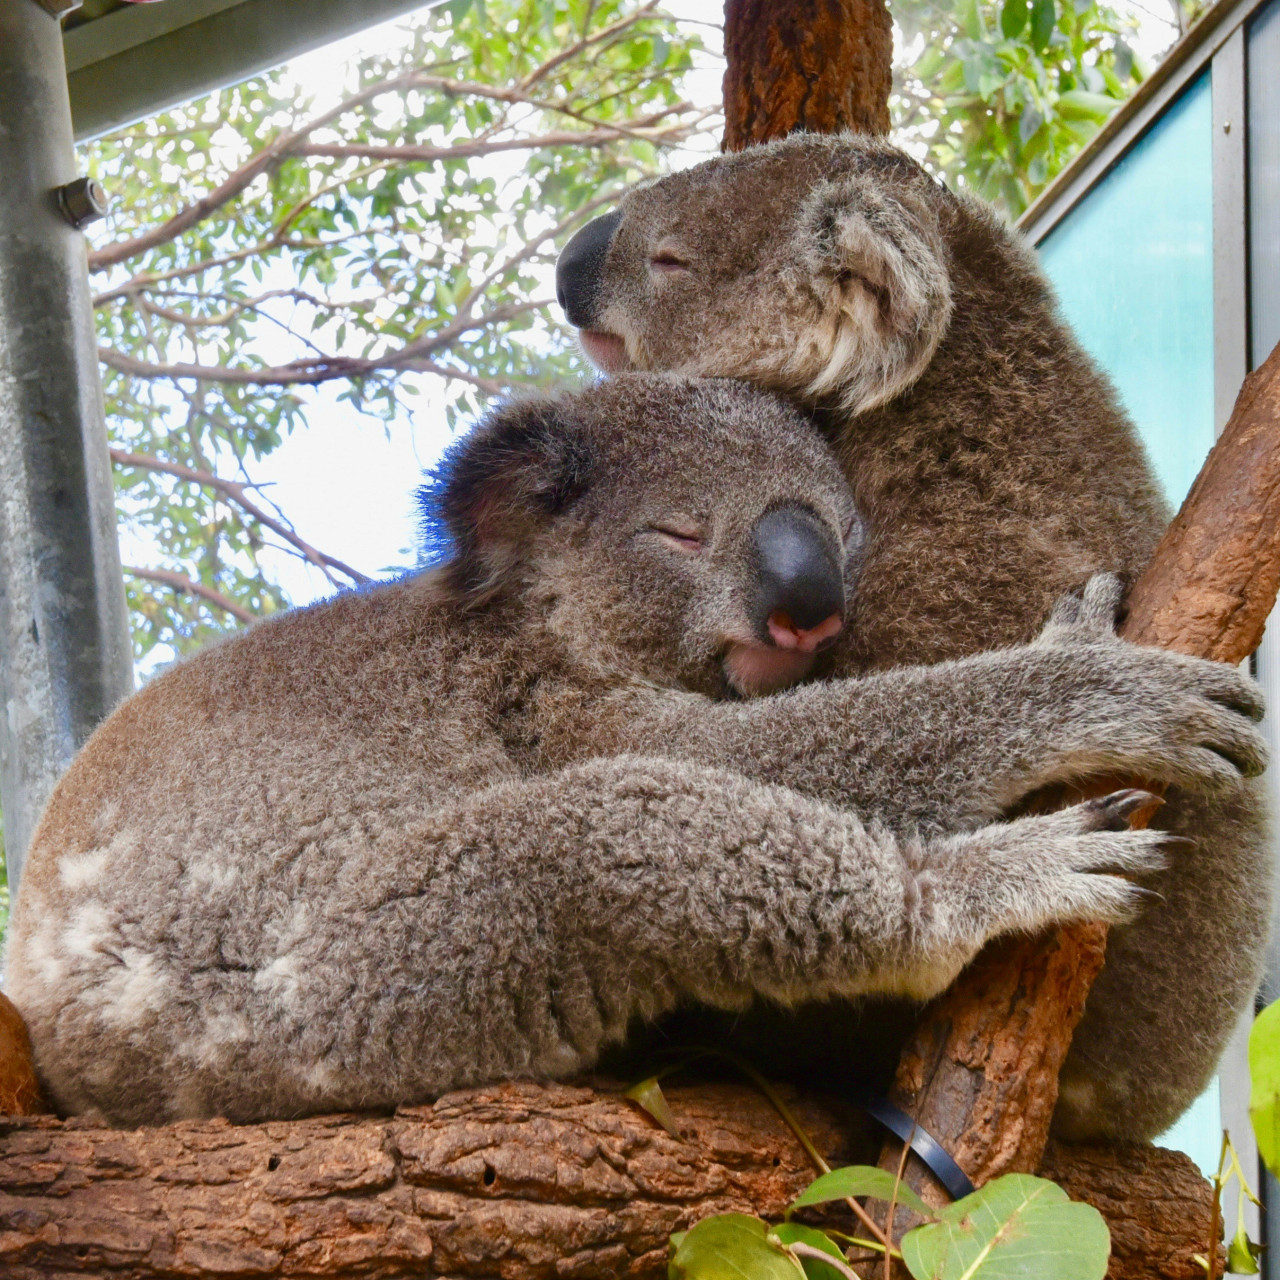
1178	977
515	931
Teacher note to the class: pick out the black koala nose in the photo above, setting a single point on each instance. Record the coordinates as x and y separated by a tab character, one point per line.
580	267
801	586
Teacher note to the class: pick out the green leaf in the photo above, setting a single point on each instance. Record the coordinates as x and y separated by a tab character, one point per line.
1264	1079
1079	104
1015	1227
859	1180
649	1097
1013	17
1242	1255
731	1246
1044	16
795	1232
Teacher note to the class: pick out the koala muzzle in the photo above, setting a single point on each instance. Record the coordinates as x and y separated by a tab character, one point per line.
580	268
801	581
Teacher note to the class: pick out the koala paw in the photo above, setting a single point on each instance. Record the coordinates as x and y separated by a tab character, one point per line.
1137	709
1029	874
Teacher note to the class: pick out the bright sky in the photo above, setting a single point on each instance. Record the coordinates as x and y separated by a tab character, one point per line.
345	481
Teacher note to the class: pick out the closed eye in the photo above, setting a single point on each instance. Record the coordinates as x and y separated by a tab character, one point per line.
667	261
684	539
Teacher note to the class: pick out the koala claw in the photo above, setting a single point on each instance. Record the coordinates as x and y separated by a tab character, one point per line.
1112	812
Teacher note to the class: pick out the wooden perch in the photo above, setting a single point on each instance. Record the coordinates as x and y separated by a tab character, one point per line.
518	1181
981	1074
820	65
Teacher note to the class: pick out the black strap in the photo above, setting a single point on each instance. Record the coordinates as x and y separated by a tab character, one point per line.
905	1129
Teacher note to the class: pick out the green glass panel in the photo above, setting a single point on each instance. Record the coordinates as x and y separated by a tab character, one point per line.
1133	267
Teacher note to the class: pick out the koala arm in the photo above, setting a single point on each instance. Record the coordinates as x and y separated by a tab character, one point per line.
959	743
518	930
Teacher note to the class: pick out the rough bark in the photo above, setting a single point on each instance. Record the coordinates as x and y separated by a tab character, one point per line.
981	1074
19	1088
819	65
517	1181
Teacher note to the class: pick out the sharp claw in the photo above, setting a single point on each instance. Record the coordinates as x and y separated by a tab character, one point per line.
1120	806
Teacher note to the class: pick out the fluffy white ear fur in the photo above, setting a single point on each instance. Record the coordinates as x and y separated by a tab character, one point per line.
879	262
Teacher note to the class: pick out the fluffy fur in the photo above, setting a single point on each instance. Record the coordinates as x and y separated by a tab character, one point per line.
995	470
469	825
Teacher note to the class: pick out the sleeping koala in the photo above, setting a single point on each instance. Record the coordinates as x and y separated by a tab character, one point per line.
468	825
995	470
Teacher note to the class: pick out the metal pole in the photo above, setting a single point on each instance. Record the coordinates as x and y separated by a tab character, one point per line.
65	655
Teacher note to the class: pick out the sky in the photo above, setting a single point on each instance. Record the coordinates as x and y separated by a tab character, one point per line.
346	481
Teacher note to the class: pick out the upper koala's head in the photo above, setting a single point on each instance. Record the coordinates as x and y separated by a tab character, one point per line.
687	532
814	266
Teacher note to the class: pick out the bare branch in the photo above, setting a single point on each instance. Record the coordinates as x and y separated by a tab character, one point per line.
236	181
323	369
189	586
571	51
598	137
235	492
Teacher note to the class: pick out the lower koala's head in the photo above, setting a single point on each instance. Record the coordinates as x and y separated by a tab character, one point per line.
814	266
689	532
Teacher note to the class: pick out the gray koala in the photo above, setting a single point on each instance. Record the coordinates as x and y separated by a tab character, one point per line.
995	470
469	825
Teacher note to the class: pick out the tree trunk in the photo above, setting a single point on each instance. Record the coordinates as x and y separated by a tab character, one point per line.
981	1074
819	65
518	1181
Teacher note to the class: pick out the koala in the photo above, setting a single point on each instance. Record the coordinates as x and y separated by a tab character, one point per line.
995	470
471	824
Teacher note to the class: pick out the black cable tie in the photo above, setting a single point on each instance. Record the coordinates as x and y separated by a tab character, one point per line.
924	1144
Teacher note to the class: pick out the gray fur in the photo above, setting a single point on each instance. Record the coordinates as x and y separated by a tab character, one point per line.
996	471
468	825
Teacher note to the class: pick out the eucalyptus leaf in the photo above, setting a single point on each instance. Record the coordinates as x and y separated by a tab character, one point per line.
1044	16
860	1180
1080	104
732	1246
789	1233
1014	1228
1264	1084
1013	17
649	1097
1242	1255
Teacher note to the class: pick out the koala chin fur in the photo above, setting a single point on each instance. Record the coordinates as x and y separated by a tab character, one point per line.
995	469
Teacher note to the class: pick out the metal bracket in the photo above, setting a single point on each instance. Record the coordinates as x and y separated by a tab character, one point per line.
59	8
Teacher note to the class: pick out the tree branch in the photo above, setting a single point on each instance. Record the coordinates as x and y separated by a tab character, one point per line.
323	369
189	586
235	492
981	1072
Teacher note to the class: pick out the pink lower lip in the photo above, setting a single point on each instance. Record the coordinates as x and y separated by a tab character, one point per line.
755	669
605	350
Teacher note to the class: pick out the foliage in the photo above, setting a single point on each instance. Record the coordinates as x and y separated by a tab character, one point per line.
392	241
998	95
1016	1225
1264	1083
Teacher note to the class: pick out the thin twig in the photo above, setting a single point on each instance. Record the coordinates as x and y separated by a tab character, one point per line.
189	586
236	493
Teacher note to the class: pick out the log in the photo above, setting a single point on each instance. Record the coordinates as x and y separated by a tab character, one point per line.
820	65
981	1072
519	1181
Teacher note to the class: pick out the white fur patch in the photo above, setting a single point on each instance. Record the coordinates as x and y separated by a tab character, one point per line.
78	871
132	991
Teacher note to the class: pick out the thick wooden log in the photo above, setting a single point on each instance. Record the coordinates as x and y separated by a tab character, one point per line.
517	1181
819	65
981	1074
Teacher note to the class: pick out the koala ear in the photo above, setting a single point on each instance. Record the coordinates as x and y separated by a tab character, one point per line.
874	248
523	464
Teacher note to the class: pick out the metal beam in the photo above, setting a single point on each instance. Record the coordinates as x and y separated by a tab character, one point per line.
135	61
65	656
